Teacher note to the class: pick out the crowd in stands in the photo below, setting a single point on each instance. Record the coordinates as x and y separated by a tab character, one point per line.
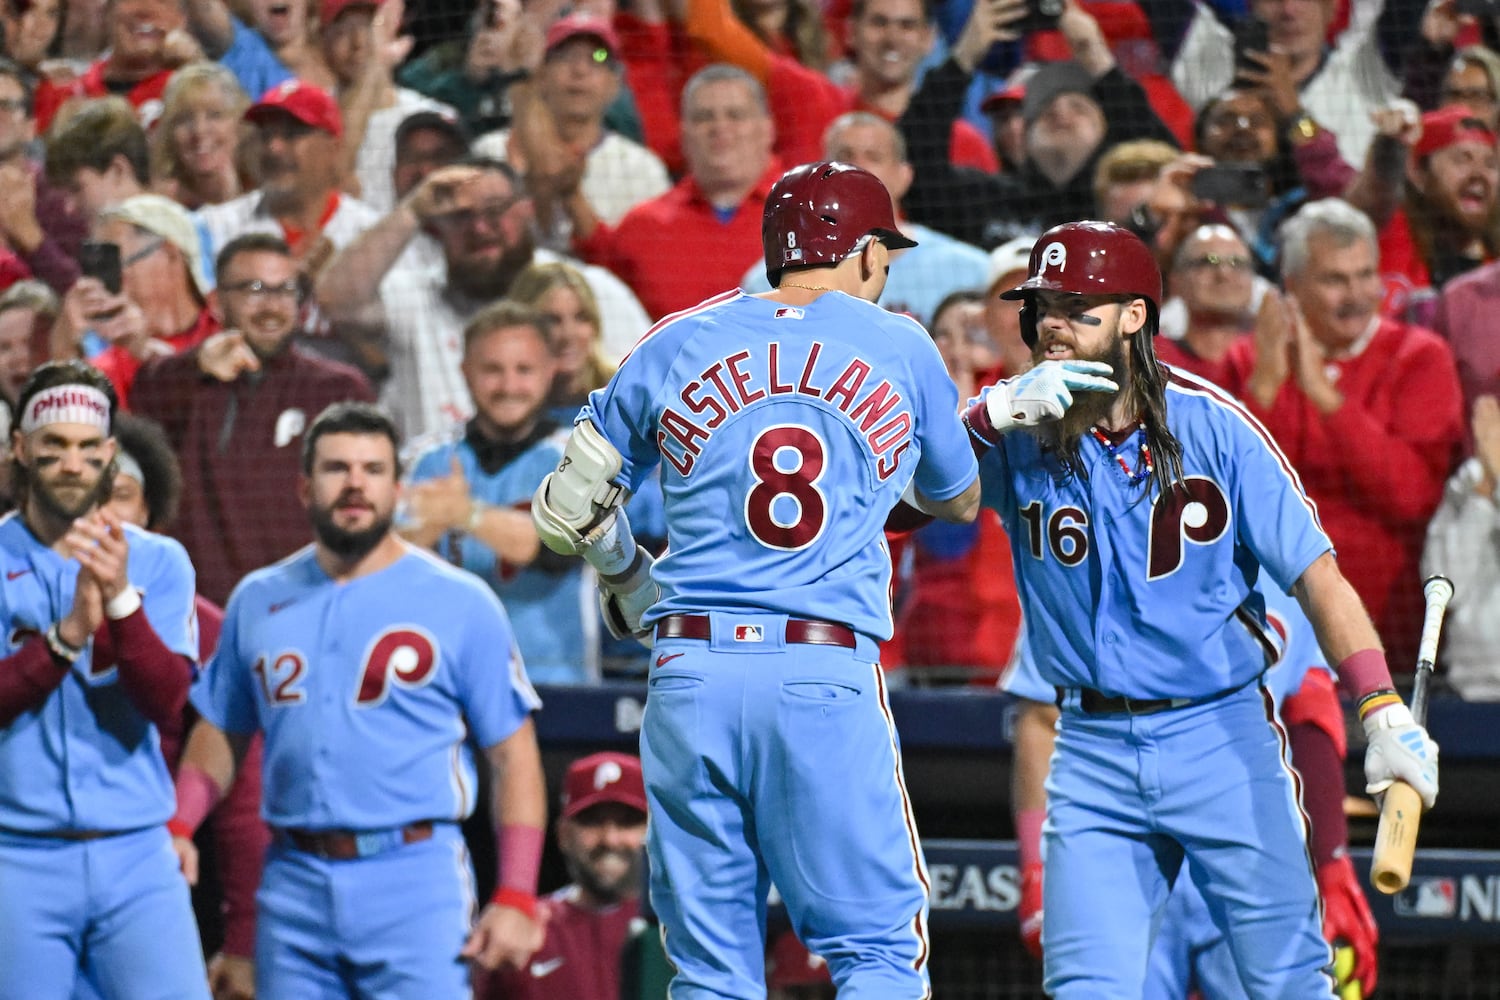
244	210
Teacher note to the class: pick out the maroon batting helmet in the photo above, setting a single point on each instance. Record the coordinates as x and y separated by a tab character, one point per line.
818	212
1088	258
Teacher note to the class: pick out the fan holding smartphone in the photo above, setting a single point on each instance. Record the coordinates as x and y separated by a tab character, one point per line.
143	292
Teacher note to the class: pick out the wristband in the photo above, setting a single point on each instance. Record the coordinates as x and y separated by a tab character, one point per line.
516	900
1029	835
59	647
1375	701
519	849
1363	672
476	514
976	419
197	794
123	605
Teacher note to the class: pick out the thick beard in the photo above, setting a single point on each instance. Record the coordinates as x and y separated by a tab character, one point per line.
27	485
607	893
1088	408
491	281
350	546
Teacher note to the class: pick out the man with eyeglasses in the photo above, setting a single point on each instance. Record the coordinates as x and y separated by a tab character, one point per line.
235	409
1213	283
161	306
403	291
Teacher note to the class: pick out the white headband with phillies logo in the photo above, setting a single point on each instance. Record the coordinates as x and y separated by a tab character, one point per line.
66	404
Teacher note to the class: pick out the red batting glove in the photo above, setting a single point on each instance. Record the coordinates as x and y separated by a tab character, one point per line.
1030	910
1347	917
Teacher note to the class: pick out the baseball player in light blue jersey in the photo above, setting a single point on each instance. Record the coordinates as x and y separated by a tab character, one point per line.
100	646
1190	951
788	425
372	667
470	495
1142	507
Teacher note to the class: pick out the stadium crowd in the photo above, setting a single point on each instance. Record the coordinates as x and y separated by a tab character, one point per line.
243	211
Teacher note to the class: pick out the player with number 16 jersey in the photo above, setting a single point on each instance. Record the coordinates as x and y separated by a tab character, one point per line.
1142	506
788	426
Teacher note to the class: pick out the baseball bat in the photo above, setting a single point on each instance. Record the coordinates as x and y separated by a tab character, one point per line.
1401	813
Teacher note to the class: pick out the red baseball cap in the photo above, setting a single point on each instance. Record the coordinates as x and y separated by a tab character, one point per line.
308	104
1009	93
329	10
1449	126
575	25
600	778
791	964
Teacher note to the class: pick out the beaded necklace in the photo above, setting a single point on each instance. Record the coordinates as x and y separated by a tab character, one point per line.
1144	467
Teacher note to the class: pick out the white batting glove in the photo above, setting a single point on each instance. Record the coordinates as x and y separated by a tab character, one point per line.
1400	750
1044	392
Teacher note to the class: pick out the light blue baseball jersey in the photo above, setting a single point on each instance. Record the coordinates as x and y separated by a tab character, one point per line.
1297	654
554	614
86	759
1122	589
370	692
786	435
926	274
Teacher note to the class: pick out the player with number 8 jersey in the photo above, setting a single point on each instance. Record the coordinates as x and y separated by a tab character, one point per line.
372	667
788	425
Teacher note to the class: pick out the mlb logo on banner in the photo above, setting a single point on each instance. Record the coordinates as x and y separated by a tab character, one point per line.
1427	897
749	633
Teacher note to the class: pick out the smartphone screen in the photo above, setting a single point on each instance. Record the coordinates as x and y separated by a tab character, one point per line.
101	261
1250	35
1042	15
1239	185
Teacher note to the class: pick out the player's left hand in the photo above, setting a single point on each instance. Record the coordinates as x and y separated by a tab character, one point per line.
1347	922
1400	750
503	936
187	858
99	544
231	977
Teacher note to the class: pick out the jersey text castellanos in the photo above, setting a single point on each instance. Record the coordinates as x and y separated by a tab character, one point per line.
786	435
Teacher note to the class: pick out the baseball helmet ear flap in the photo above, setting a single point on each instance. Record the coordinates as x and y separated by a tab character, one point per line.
1028	322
